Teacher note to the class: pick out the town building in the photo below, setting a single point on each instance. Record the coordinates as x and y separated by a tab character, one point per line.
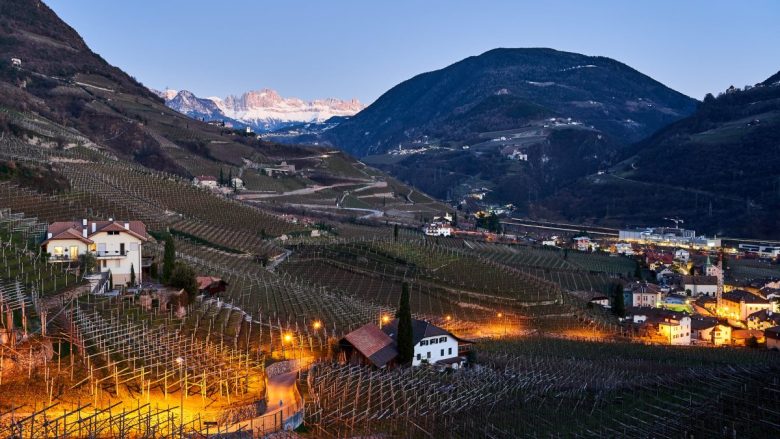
761	250
669	237
116	245
661	325
584	243
208	181
739	304
624	248
699	285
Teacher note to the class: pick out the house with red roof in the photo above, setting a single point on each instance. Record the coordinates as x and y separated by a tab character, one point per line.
371	346
117	245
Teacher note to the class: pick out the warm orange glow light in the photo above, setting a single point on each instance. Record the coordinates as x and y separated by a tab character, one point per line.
317	324
385	319
500	315
287	337
448	318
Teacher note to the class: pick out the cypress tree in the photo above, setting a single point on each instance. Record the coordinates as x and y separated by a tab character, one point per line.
618	301
404	339
169	258
221	177
132	275
229	181
395	232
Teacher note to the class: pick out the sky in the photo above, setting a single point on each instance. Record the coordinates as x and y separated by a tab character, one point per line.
362	48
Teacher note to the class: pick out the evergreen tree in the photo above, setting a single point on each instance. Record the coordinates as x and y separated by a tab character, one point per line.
404	339
395	232
183	276
221	177
110	280
618	301
132	275
454	219
169	258
229	181
153	270
638	271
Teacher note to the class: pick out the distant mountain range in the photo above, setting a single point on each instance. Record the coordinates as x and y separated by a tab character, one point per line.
262	110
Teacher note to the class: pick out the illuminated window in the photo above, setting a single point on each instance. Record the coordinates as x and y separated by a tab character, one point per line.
58	251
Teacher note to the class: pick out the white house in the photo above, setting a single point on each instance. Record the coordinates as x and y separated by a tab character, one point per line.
677	331
584	243
438	229
237	183
208	181
624	248
16	62
370	345
700	285
117	245
682	255
432	345
645	295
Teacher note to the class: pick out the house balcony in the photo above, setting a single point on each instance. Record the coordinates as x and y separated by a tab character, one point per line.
62	258
110	254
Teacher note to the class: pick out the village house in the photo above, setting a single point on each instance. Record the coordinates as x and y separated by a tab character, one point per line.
584	243
207	181
699	285
279	170
709	330
662	326
237	183
372	346
682	255
657	260
644	294
438	229
739	304
763	319
115	244
624	248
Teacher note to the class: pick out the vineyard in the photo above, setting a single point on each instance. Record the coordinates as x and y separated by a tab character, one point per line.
542	387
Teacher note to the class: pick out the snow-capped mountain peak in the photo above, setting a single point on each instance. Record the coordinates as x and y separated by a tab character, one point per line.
264	110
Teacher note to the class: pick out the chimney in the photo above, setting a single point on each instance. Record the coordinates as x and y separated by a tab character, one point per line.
94	227
127	226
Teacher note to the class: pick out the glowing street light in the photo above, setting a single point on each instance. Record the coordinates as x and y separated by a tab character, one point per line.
448	318
383	320
288	337
317	324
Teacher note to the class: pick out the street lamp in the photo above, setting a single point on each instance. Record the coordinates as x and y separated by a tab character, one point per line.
317	324
383	321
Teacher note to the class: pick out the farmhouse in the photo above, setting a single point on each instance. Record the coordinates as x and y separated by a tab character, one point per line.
369	345
208	181
438	229
115	244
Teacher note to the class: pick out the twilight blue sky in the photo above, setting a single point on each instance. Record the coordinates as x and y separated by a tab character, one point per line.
361	48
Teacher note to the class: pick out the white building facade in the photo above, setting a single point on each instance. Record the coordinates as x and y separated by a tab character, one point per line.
116	245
